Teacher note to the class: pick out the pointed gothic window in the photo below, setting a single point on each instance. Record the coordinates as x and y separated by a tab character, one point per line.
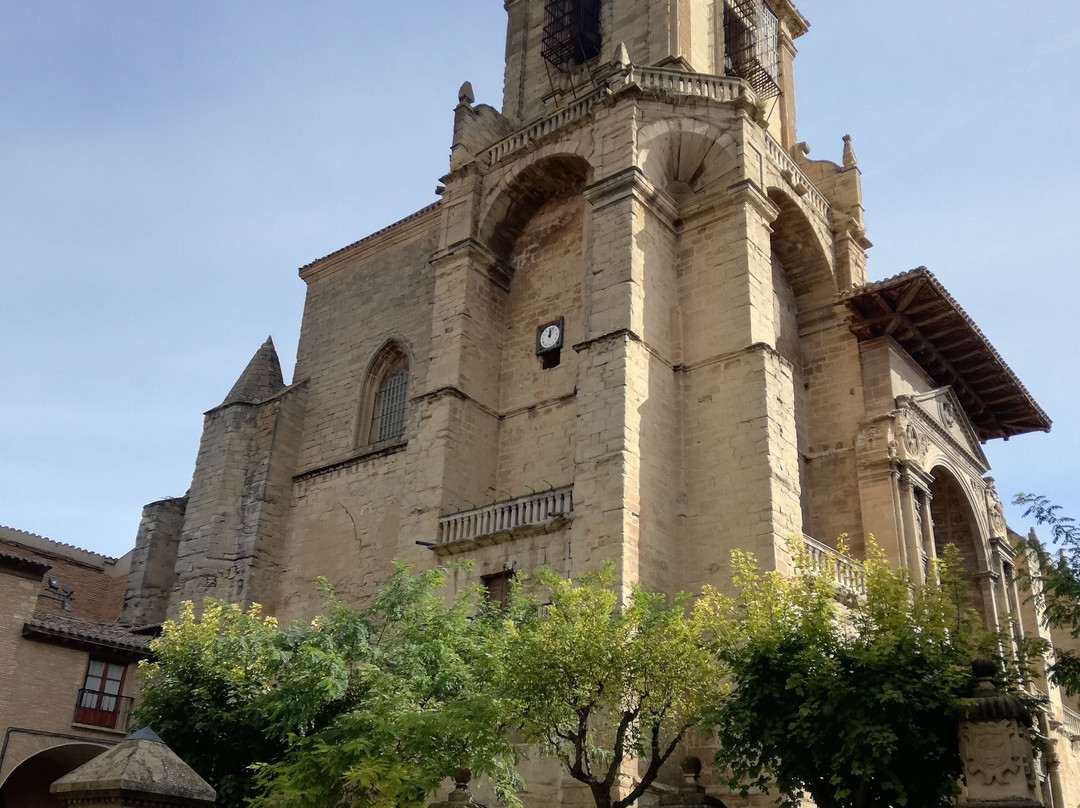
385	399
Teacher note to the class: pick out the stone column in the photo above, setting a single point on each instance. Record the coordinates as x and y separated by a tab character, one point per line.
928	542
140	771
911	528
995	748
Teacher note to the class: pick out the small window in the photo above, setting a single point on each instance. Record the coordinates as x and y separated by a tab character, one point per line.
100	703
385	400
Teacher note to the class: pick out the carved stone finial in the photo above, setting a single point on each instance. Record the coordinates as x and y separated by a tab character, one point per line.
802	148
622	56
849	153
465	94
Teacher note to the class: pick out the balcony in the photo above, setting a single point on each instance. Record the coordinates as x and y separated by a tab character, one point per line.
844	573
537	512
1070	722
96	709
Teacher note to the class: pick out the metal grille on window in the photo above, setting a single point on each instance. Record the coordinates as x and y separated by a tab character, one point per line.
751	41
390	403
571	32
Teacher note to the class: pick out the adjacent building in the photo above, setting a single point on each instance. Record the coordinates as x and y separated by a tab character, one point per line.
66	665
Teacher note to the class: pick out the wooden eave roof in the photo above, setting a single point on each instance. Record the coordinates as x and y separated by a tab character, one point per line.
916	311
126	641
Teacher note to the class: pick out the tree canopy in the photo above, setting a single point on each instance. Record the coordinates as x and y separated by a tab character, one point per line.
852	704
603	685
848	703
367	707
1054	578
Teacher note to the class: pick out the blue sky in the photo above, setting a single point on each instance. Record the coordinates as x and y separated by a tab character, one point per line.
167	167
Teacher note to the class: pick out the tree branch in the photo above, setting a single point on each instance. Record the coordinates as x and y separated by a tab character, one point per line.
656	760
619	752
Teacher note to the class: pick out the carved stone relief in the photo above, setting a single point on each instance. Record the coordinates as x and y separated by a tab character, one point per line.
997	760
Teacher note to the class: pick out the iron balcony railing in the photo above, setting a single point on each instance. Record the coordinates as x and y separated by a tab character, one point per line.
103	710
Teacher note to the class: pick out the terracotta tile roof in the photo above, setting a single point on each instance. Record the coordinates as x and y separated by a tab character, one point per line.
916	311
41	543
76	631
22	564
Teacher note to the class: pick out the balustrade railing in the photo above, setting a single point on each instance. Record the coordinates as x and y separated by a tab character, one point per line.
503	517
675	82
790	169
825	561
699	85
1071	721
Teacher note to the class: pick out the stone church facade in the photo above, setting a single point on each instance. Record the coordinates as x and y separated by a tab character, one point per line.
636	328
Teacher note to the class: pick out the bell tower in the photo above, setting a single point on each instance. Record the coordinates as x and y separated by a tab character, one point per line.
558	49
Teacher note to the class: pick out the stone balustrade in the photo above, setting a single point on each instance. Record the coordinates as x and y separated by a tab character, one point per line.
677	82
531	510
1070	720
838	568
800	183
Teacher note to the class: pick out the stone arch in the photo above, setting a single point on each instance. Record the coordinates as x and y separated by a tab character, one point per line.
388	365
685	157
550	173
802	283
958	504
804	256
955	521
27	785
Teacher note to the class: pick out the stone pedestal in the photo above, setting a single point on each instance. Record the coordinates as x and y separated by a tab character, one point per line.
140	771
995	747
691	794
460	797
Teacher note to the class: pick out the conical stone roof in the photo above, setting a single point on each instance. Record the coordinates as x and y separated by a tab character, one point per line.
260	379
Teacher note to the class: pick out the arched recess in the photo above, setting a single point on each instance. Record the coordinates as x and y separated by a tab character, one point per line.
687	158
384	395
954	522
804	256
536	225
27	786
518	196
802	282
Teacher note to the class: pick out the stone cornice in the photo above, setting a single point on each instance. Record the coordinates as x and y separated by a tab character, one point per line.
410	227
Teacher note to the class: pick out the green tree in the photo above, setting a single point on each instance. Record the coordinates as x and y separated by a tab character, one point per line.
367	707
599	684
849	704
1054	578
204	693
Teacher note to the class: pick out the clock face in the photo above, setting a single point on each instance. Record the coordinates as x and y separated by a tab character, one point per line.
549	336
